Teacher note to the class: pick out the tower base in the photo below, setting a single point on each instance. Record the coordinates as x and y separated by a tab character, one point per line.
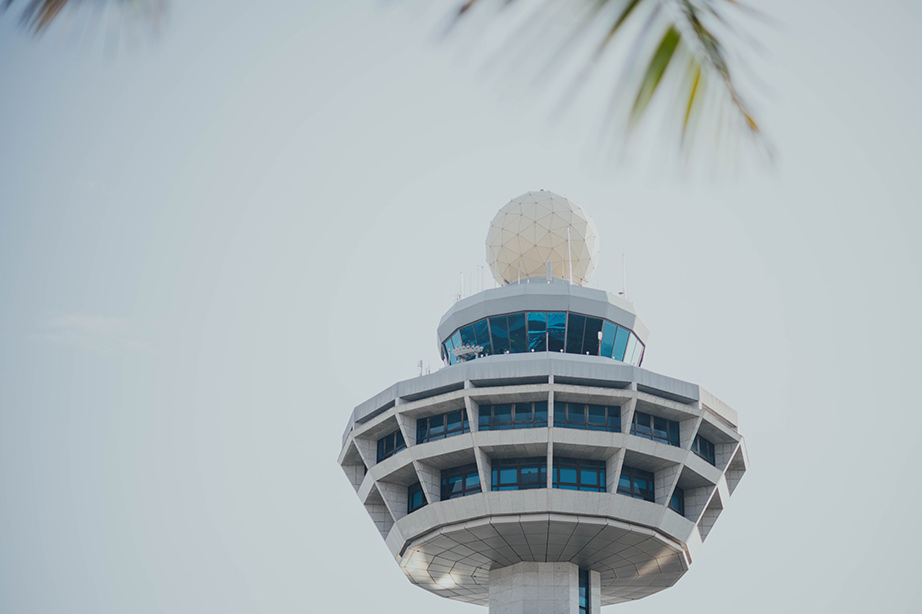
541	588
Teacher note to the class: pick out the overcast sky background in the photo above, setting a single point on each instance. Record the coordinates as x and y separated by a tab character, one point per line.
213	245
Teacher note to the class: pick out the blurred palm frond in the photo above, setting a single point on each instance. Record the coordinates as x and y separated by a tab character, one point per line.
676	43
38	15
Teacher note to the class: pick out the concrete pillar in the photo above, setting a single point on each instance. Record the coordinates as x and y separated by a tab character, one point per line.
540	588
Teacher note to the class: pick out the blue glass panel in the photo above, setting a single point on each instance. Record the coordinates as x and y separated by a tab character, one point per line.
576	415
537	331
629	352
524	413
608	338
502	416
638	353
471	481
589	477
597	418
556	330
575	327
560	417
517	338
621	339
660	428
454	422
482	332
486	416
507	475
436	428
614	419
568	474
541	413
467	335
500	334
624	484
453	342
591	336
422	429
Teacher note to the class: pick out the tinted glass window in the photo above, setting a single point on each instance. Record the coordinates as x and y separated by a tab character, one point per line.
519	473
500	334
517	338
519	416
441	426
482	333
621	339
390	444
636	483
556	330
591	417
575	327
677	501
579	474
537	329
704	448
467	336
608	338
415	497
459	482
591	336
655	428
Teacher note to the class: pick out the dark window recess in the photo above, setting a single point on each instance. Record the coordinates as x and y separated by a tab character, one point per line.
390	445
588	417
655	428
415	498
513	416
442	426
584	591
704	448
519	473
579	474
636	483
576	325
459	482
677	501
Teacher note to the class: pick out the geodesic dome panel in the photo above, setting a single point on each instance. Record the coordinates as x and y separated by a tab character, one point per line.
531	230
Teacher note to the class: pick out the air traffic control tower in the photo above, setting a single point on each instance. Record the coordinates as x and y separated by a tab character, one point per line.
542	469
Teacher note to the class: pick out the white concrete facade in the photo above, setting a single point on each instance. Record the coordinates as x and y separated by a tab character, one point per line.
637	547
614	478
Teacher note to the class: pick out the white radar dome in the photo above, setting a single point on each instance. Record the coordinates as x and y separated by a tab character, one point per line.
531	230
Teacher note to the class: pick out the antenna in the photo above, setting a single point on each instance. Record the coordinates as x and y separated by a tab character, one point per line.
569	256
623	292
420	365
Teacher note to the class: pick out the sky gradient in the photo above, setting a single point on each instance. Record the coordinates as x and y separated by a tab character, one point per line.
216	242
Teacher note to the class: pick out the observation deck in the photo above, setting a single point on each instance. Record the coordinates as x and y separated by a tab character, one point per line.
542	469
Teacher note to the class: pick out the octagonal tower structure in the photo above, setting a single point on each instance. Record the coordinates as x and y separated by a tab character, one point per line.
542	469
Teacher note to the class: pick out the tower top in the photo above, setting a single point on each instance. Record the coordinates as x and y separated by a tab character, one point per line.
542	227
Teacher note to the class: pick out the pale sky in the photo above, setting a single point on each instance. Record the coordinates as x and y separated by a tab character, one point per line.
215	243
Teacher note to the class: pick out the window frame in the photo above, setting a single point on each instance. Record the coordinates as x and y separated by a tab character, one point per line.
486	420
465	426
633	474
412	490
518	465
677	501
650	429
398	444
708	454
562	417
465	472
579	465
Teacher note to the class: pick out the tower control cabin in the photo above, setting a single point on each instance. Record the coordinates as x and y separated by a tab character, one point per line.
542	469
